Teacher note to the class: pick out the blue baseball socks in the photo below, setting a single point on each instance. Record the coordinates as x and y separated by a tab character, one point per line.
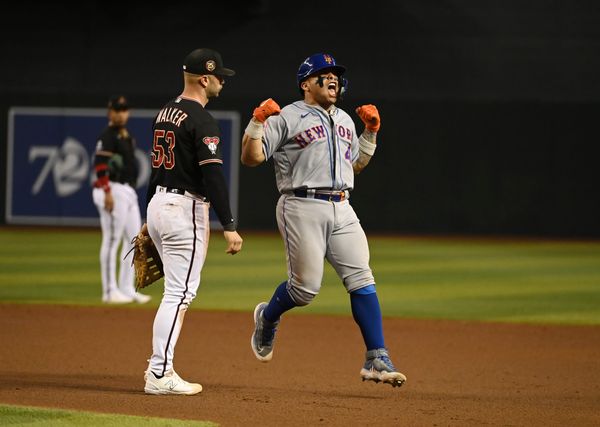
367	314
279	304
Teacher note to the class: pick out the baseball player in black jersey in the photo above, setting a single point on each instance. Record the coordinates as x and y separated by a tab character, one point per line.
186	179
117	202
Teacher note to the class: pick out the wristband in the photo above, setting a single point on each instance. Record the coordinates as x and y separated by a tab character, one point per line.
254	129
366	146
232	226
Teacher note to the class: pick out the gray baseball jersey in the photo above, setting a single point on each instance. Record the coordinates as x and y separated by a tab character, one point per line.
315	149
311	148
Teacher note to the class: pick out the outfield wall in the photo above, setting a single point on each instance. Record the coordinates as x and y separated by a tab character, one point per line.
488	111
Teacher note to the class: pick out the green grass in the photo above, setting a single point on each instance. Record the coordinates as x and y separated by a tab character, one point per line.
30	416
539	281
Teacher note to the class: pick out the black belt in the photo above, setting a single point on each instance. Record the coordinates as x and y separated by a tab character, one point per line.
175	190
330	196
182	192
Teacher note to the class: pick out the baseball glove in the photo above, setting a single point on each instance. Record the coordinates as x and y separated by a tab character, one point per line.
146	261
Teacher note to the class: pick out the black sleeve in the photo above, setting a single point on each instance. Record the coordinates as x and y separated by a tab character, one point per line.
218	194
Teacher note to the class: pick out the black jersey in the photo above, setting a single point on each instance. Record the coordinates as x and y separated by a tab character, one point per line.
122	165
185	148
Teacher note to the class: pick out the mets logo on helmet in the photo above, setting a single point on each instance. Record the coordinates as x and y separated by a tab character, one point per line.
211	142
328	59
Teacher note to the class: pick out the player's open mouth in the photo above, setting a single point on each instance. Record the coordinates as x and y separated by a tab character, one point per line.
332	87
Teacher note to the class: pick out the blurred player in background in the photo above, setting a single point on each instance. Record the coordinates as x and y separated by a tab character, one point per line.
117	202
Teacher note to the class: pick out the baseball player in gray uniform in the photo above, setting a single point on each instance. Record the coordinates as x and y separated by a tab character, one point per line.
316	154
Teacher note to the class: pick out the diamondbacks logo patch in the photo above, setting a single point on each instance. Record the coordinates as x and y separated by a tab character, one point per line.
211	142
210	65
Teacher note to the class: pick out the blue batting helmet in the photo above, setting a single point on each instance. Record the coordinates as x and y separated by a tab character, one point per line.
318	62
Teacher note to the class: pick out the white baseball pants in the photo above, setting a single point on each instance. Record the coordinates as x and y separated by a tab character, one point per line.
118	227
179	227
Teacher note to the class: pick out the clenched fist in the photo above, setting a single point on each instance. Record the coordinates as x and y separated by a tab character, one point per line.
266	108
370	116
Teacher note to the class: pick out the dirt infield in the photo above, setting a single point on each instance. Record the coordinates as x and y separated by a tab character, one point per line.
458	373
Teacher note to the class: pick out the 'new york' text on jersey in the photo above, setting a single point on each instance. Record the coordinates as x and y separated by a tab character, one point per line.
302	138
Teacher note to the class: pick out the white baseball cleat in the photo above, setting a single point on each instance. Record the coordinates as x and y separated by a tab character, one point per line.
115	296
141	298
170	383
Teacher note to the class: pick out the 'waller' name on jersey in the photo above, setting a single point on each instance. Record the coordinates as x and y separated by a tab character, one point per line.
171	115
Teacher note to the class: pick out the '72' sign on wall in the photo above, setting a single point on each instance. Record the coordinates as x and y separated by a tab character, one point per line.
50	162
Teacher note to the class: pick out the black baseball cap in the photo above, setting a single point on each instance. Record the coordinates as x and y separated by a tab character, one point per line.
205	61
118	103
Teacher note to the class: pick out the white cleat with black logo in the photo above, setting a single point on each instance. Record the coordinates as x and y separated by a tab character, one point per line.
170	383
